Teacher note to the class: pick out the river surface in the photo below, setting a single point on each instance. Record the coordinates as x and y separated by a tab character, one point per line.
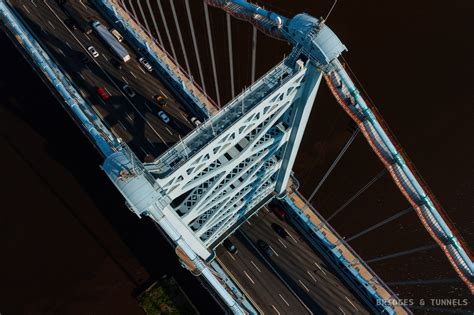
65	229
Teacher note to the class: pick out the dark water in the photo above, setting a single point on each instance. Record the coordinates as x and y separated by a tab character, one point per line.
415	62
70	245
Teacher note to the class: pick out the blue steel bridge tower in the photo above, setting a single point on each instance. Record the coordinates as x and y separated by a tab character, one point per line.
241	157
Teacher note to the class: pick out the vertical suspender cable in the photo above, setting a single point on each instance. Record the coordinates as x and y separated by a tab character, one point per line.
254	52
196	51
231	59
160	40
167	30
211	48
133	10
143	16
180	37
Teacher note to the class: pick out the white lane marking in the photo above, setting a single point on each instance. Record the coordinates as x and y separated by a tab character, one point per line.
352	304
305	287
34	3
182	115
231	256
143	150
82	77
287	304
276	310
255	266
82	4
124	80
168	131
248	222
274	251
68	45
88	38
61	52
312	277
294	239
82	93
282	243
51	24
148	106
26	9
122	125
249	277
105	88
319	267
130	117
341	310
133	75
142	70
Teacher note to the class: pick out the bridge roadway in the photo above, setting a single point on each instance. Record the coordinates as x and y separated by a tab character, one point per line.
315	283
134	119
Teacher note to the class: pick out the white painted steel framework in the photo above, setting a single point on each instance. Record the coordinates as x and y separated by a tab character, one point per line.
240	157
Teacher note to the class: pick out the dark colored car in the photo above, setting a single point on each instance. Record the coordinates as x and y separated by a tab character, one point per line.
116	63
279	230
230	246
70	24
278	211
264	247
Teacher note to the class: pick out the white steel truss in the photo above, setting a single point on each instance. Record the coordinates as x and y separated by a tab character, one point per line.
220	172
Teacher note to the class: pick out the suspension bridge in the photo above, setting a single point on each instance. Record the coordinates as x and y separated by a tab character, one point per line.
201	183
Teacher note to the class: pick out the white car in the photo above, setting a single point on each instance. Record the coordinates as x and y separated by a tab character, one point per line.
128	90
196	122
145	64
164	117
116	34
94	53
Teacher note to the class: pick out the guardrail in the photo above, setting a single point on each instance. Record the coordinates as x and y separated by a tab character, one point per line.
369	289
175	76
90	122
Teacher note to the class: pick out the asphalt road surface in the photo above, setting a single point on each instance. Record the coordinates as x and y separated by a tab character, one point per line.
134	119
292	276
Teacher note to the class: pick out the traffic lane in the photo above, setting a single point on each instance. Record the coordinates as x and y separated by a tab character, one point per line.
312	275
264	288
62	51
95	41
143	81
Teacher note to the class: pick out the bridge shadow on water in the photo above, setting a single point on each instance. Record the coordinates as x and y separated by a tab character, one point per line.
23	94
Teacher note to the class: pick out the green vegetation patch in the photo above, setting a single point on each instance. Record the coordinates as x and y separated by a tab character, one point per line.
165	297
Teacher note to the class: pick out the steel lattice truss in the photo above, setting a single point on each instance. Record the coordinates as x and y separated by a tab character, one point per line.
239	167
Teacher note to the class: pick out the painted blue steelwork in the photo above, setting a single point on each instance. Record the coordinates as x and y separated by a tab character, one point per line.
319	43
167	71
140	190
329	250
97	132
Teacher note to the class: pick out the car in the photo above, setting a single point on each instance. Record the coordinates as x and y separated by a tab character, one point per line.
116	63
84	58
278	211
102	92
164	117
160	100
231	248
196	122
70	24
145	64
129	90
264	247
94	53
279	230
116	34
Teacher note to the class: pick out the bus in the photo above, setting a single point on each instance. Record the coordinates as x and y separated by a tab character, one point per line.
109	39
75	17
